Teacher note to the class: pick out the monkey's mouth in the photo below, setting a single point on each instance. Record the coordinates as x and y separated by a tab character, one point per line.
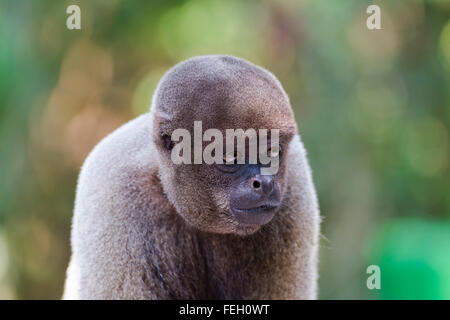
256	215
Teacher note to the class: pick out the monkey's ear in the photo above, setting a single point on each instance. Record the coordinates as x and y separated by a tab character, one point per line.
167	142
162	118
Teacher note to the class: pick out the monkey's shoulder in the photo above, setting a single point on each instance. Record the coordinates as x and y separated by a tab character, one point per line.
123	146
125	162
302	194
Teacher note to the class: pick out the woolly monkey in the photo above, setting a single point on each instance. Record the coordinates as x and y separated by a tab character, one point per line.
146	228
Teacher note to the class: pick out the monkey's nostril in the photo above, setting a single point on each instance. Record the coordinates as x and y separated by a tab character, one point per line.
256	184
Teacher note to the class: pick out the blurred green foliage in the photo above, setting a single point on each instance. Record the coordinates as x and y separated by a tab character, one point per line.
373	109
415	258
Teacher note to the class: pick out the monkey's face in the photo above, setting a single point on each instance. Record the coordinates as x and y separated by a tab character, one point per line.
228	197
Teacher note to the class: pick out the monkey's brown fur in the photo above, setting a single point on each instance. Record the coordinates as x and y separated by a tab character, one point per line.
145	228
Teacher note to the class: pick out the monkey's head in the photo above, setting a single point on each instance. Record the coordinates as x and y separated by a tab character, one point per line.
222	92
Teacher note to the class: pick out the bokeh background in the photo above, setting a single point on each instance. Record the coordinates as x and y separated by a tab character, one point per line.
373	109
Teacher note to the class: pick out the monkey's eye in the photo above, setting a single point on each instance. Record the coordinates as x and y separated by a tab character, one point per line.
230	164
231	158
274	152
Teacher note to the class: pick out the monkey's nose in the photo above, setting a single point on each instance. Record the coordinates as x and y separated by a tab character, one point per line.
262	184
